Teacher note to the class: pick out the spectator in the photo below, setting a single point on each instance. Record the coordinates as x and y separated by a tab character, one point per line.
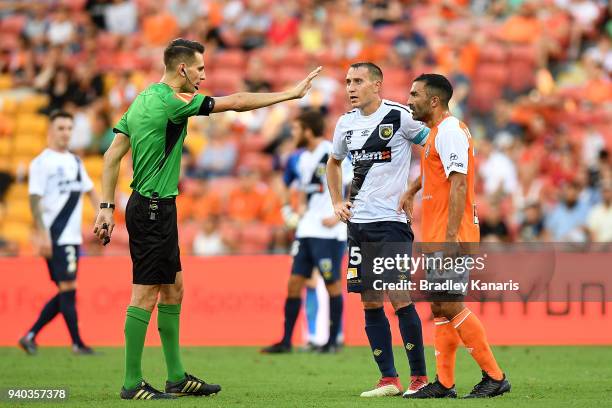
121	17
185	11
283	28
122	93
567	221
218	158
497	170
245	202
493	228
600	217
409	44
532	227
253	25
61	30
208	240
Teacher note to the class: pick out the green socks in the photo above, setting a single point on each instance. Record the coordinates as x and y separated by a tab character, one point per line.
168	317
136	323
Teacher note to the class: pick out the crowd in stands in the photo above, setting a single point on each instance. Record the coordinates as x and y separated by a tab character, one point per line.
532	79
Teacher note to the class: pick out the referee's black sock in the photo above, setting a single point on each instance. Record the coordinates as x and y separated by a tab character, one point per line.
336	304
292	309
379	334
412	336
68	309
47	314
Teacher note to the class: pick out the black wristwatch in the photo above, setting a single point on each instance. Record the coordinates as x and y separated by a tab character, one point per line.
107	205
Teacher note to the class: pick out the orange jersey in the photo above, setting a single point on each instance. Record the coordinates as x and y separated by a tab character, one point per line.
448	149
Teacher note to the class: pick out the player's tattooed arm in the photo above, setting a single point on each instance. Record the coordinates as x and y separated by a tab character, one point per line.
342	208
456	205
42	234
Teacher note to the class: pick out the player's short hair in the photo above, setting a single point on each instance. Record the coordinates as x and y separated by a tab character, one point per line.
60	114
373	69
181	50
313	120
438	85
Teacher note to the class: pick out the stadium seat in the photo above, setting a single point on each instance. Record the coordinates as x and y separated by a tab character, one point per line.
225	81
256	234
12	24
19	211
496	72
31	123
6	147
493	52
6	82
28	145
230	59
17	192
387	33
33	103
188	231
521	75
18	232
94	166
524	53
223	185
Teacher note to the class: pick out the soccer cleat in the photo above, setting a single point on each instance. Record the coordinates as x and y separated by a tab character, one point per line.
489	387
330	349
28	345
416	383
433	390
83	350
191	385
386	387
144	392
278	348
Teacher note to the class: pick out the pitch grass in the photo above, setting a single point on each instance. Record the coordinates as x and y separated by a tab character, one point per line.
540	376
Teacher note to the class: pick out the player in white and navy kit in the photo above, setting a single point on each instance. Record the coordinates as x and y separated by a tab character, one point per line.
57	181
320	237
378	134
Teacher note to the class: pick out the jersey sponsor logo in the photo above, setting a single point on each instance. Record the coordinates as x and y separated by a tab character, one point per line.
348	135
351	273
385	132
379	156
454	164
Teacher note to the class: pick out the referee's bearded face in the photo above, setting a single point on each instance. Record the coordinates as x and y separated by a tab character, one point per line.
419	102
361	88
60	132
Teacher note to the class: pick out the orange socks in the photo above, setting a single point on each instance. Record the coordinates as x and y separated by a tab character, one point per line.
473	335
446	341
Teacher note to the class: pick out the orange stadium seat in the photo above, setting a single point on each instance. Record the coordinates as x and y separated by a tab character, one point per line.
521	75
31	123
6	82
12	24
230	59
493	52
6	147
19	211
492	72
94	166
28	145
387	33
33	103
18	232
224	81
17	192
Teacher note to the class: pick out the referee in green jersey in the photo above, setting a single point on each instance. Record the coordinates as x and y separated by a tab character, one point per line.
154	127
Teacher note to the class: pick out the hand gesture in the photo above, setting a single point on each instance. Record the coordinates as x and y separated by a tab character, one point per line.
302	88
406	204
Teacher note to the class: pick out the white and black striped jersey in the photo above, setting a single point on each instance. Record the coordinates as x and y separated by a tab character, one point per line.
60	179
379	148
311	168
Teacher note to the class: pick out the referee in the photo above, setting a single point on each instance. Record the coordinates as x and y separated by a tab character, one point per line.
154	127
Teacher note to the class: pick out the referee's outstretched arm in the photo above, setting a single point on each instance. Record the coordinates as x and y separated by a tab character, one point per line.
245	101
112	162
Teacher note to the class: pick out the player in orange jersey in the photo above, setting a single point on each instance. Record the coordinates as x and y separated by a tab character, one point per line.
450	222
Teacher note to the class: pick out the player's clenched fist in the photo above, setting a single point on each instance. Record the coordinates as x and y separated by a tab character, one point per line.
343	210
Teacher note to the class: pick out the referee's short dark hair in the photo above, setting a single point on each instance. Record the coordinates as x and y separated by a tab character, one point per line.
373	69
57	113
313	120
181	50
438	85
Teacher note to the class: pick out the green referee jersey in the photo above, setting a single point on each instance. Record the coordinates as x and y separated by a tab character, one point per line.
156	123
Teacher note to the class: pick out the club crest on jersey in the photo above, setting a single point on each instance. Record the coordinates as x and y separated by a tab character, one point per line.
320	170
385	132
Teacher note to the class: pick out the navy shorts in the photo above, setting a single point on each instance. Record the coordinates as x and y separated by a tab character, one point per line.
63	263
374	239
324	254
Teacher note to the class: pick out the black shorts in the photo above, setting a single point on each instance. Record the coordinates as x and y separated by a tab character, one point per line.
154	244
325	254
64	262
374	239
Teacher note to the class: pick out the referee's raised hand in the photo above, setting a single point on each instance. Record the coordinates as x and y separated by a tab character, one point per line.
104	225
303	87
